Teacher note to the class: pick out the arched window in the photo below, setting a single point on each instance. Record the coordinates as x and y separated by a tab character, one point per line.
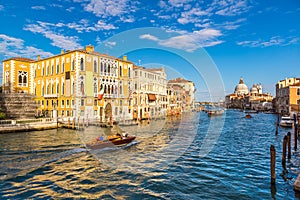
57	68
129	72
63	88
81	64
101	67
73	65
52	88
43	92
63	67
48	89
43	71
105	89
95	66
121	88
22	78
105	68
52	69
108	89
57	88
47	70
82	87
108	68
120	69
73	88
95	88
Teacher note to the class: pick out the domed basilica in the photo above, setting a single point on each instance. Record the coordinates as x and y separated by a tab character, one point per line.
242	98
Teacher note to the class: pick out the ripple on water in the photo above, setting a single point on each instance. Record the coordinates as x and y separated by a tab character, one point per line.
50	164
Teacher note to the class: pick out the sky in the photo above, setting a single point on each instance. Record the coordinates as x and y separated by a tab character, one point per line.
212	43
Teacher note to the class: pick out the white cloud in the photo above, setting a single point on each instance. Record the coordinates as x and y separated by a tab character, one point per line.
273	41
38	7
110	44
191	16
230	7
84	26
70	9
106	8
149	37
58	40
178	3
14	47
189	41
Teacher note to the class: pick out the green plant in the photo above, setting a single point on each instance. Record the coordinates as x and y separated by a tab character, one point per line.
2	115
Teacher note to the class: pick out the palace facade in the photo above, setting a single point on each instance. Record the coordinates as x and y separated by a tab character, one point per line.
86	84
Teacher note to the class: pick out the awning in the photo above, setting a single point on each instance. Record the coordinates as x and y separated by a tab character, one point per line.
151	97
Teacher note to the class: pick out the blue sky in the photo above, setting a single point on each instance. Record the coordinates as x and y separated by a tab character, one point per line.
256	40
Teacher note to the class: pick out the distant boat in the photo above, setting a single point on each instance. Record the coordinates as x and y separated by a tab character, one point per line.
286	121
248	116
215	112
250	111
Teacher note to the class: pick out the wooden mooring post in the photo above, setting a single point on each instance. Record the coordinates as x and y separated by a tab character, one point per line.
272	164
73	123
284	152
289	145
277	124
295	137
69	122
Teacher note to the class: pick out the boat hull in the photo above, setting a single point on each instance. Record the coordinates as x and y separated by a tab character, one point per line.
111	143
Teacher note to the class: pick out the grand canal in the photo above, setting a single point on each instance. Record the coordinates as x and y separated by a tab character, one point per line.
165	162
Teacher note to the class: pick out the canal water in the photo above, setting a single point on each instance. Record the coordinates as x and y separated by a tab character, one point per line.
188	157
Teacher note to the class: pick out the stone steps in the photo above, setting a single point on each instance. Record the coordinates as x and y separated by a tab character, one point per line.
18	105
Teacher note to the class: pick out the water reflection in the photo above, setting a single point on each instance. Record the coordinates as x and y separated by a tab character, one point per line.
163	163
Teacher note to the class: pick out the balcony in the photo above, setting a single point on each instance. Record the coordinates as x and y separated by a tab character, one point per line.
110	96
50	95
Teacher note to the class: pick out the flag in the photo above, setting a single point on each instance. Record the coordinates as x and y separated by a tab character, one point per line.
100	95
130	92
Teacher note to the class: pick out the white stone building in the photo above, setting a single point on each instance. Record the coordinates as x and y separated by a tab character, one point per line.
149	93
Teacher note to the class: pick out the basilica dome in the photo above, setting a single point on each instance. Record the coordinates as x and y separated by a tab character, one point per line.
241	88
254	89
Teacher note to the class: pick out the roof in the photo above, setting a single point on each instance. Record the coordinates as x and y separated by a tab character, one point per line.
179	80
20	59
155	69
296	84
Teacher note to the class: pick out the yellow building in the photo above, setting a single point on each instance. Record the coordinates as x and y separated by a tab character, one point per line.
288	96
17	73
71	81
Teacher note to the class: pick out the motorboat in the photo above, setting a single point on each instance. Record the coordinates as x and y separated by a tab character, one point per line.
215	112
286	121
111	141
248	116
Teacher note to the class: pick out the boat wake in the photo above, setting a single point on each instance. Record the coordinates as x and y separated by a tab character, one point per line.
18	165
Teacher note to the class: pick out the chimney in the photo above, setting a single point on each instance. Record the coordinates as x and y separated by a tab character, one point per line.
89	48
62	51
125	58
39	57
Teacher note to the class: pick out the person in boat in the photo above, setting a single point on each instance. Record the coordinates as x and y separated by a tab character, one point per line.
100	138
124	134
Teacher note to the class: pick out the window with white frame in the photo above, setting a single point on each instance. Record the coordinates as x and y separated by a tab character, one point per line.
73	64
81	64
22	78
95	66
